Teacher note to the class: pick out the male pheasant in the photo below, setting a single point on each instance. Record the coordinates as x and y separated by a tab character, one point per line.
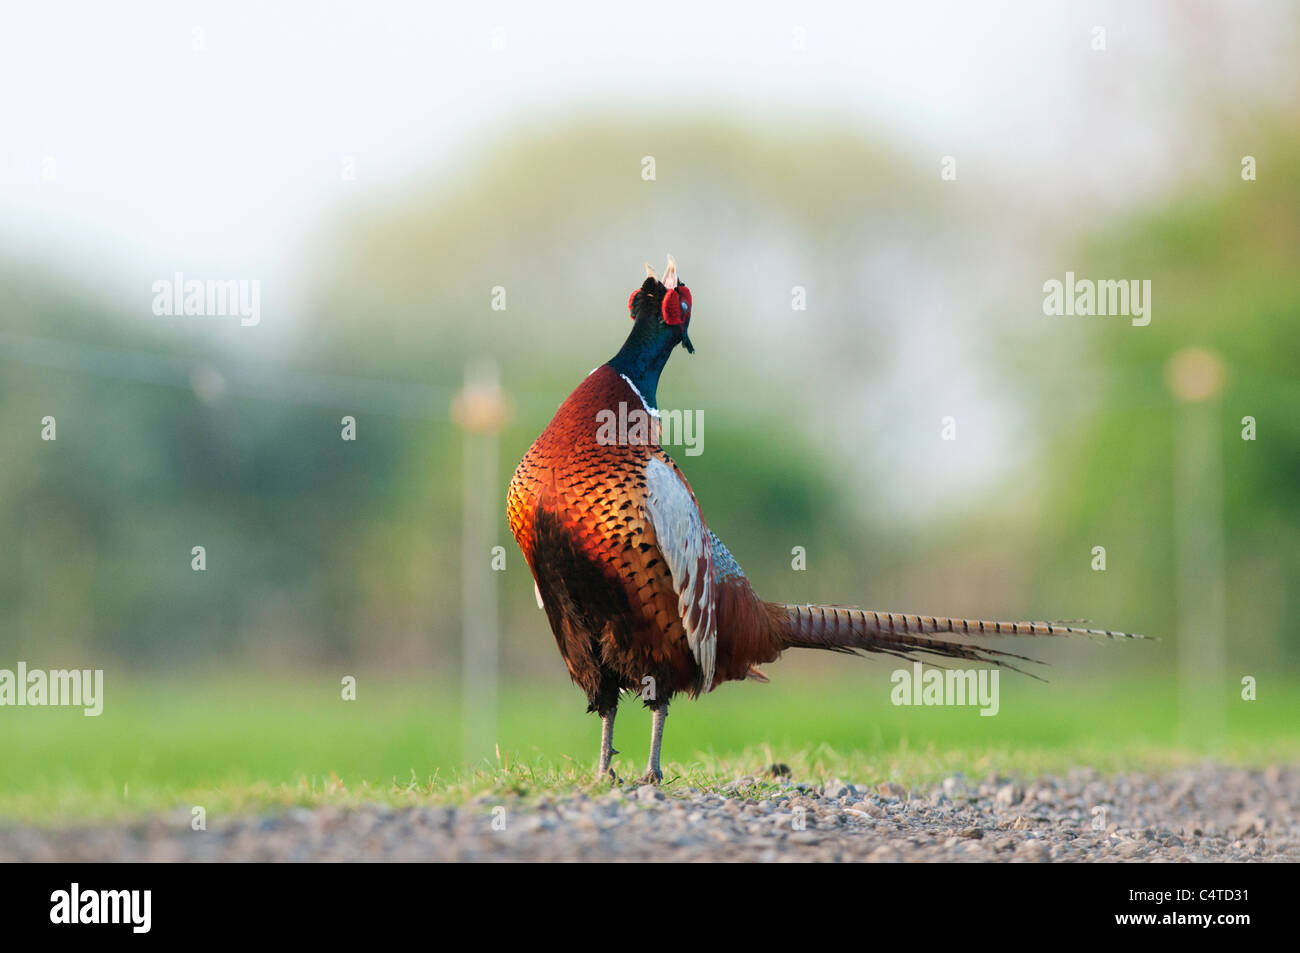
641	595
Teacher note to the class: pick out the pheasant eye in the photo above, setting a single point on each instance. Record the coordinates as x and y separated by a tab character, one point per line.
631	312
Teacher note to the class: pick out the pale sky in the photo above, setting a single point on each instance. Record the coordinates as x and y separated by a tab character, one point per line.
208	137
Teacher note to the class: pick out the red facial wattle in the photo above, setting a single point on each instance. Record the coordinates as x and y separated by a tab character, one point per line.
676	307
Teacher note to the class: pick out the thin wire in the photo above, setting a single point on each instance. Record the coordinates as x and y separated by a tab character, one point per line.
263	383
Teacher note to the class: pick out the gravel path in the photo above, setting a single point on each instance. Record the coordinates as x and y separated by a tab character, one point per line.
1207	813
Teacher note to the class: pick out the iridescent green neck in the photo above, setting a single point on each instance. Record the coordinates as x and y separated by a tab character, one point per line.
643	355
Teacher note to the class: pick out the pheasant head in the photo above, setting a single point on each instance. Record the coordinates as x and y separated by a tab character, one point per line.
661	317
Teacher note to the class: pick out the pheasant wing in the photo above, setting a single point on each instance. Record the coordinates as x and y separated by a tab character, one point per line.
688	552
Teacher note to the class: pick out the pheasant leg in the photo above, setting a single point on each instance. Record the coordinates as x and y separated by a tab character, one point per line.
607	751
659	714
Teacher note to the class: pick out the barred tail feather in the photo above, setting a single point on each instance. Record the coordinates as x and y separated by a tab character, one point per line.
840	629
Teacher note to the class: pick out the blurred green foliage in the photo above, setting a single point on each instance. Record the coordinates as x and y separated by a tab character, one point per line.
1223	265
326	551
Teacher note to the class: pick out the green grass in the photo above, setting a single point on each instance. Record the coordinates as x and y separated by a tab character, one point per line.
246	744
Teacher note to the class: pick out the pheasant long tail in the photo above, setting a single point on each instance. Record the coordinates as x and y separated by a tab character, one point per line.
912	637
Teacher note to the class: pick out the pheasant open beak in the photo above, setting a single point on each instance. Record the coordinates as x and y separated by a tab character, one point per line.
670	282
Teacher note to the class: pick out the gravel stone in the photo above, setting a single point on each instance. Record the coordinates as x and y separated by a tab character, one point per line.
1009	795
1203	814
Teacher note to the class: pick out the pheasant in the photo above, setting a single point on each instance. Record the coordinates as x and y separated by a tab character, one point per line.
641	595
